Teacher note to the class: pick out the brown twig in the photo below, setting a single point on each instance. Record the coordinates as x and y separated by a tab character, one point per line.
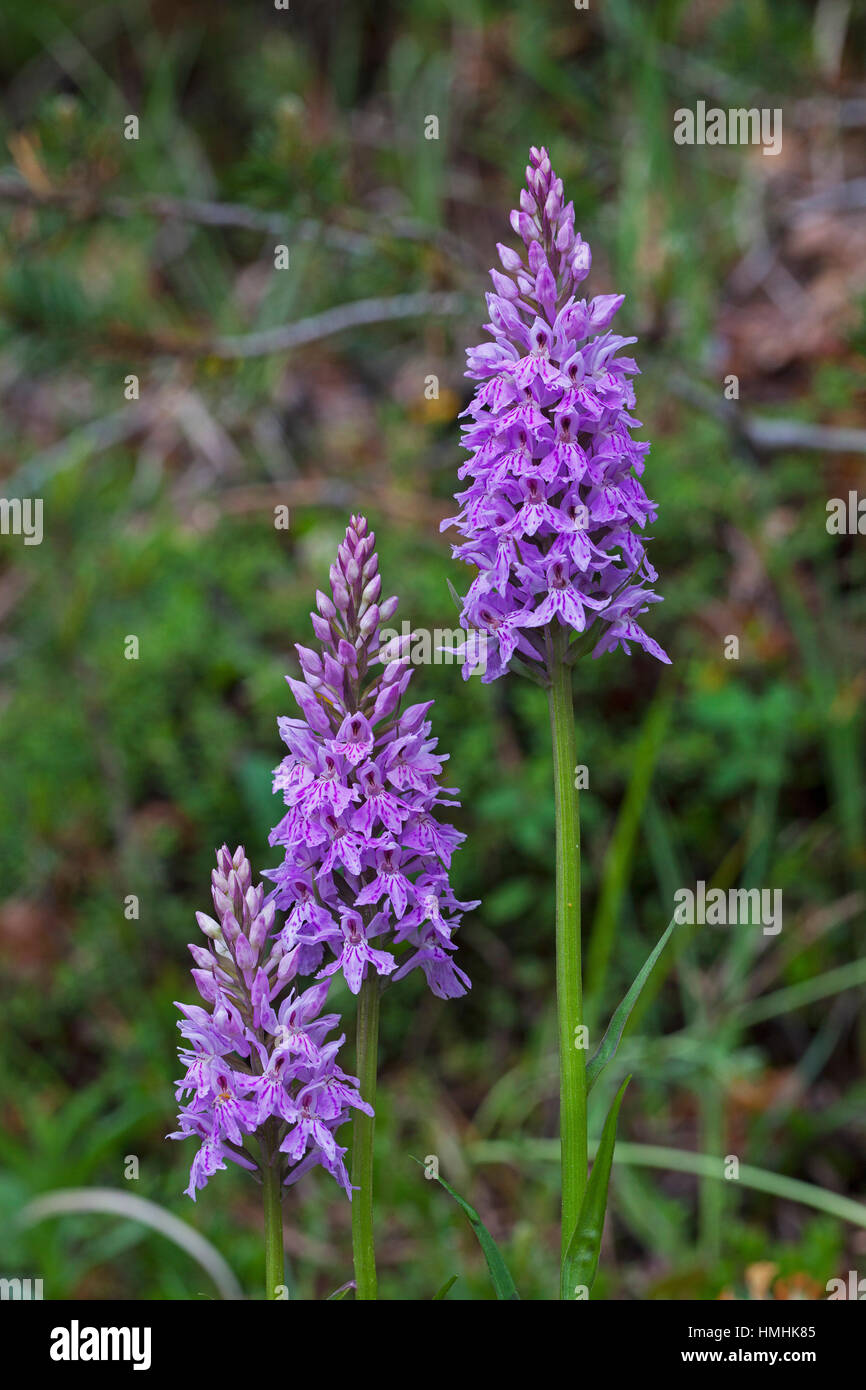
355	315
86	203
767	436
842	197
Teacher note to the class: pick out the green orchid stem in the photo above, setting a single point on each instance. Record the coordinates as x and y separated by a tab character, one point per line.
569	991
366	1065
272	1196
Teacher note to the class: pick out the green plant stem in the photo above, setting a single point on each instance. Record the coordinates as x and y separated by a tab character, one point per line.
366	1060
711	1204
569	992
272	1197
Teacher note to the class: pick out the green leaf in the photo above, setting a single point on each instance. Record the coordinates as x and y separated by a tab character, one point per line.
611	1040
524	669
581	1257
445	1288
457	600
502	1280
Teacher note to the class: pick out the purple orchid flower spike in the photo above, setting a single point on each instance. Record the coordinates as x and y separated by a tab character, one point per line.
366	859
554	515
257	1050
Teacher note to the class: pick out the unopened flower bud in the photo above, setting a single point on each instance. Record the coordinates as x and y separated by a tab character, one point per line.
504	286
311	662
370	621
510	259
209	926
372	590
324	605
346	655
341	595
388	608
524	226
202	958
321	627
262	925
386	702
245	956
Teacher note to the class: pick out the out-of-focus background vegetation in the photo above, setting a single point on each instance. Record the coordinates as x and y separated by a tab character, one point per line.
117	777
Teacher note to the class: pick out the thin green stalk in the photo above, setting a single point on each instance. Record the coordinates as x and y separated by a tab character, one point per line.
569	993
272	1197
366	1061
711	1202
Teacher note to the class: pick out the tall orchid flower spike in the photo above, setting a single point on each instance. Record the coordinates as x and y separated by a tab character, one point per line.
364	883
257	1066
554	515
553	524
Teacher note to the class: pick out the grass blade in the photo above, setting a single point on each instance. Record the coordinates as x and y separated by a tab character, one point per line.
339	1294
446	1287
611	1040
581	1258
114	1203
620	854
807	1194
499	1273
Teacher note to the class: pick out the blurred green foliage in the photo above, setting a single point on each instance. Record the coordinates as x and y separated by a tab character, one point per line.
119	777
